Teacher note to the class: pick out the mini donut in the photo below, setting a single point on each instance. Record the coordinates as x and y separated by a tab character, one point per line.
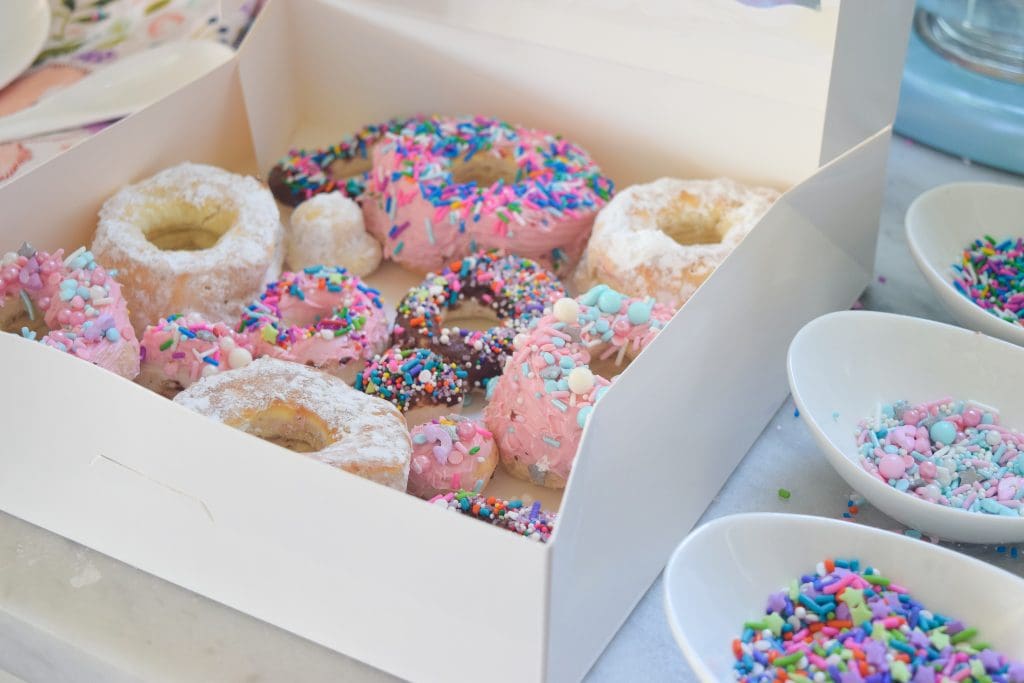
309	412
329	229
665	238
191	238
511	514
179	349
442	188
342	167
71	304
449	453
539	406
418	382
487	284
321	316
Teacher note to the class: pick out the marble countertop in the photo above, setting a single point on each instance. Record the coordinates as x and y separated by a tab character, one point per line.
70	614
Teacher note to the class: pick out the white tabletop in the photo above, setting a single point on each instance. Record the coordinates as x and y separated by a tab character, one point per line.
70	614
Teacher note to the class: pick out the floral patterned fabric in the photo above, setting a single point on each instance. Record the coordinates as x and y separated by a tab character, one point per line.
85	35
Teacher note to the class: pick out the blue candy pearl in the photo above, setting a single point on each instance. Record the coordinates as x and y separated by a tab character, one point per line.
639	312
113	335
610	301
581	417
943	432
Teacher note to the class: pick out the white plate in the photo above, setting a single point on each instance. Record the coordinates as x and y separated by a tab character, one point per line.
24	25
842	365
723	573
944	220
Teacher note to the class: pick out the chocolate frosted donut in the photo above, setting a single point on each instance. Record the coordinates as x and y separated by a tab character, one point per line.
487	284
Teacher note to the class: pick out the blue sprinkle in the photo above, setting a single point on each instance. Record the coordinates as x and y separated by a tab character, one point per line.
581	417
554	443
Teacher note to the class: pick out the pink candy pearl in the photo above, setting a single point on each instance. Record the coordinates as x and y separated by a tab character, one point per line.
64	316
43	303
11	274
922	445
621	326
77	303
892	466
466	430
98	275
911	417
972	417
77	318
928	470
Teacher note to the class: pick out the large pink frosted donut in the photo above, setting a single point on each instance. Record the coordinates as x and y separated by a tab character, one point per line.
443	188
73	302
539	406
320	316
448	454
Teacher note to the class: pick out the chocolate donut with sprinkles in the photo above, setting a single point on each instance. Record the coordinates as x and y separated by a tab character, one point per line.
489	284
443	187
341	167
418	382
321	316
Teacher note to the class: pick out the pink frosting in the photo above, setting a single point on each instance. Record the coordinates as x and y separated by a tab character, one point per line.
448	454
424	217
540	404
79	302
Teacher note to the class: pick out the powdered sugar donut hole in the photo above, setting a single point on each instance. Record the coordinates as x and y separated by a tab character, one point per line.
328	230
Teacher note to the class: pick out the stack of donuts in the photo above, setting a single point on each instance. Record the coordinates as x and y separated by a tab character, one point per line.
193	288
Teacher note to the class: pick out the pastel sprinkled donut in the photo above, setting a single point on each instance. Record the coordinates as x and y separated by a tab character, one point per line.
321	316
514	515
191	238
342	167
449	453
539	406
489	284
441	188
419	382
309	412
665	238
71	304
179	349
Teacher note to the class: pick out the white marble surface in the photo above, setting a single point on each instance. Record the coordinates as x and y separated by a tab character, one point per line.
70	614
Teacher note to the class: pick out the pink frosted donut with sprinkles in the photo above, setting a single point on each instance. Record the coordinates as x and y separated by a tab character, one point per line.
179	350
442	188
539	406
323	317
69	303
449	453
418	382
508	289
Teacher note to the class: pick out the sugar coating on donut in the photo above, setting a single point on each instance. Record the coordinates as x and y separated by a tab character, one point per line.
191	238
450	453
417	381
290	403
511	289
320	316
70	303
328	230
445	187
663	239
180	349
541	403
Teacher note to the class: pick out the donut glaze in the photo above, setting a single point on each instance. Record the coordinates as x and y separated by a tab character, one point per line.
539	406
71	304
442	188
321	316
448	454
512	289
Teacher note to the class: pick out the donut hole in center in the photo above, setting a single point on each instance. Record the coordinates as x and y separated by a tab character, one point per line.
471	315
688	223
484	170
188	227
15	315
343	169
291	427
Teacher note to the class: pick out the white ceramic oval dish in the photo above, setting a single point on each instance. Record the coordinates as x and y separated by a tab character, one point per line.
24	25
842	365
943	221
723	573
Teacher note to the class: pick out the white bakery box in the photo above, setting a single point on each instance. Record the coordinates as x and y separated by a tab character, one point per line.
799	96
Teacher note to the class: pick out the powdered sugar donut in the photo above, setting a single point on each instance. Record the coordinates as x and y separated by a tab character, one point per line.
663	239
178	350
309	412
191	238
417	381
539	406
450	453
442	188
329	229
321	316
72	304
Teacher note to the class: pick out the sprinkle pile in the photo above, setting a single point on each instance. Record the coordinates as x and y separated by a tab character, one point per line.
187	347
991	274
847	625
409	378
513	514
954	453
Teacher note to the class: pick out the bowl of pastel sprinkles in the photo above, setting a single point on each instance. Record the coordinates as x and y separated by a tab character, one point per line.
844	603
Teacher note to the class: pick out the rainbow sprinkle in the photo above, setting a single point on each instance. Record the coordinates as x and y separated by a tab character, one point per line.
513	515
409	378
991	274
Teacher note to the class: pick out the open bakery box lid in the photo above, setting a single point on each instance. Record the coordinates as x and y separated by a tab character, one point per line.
765	92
